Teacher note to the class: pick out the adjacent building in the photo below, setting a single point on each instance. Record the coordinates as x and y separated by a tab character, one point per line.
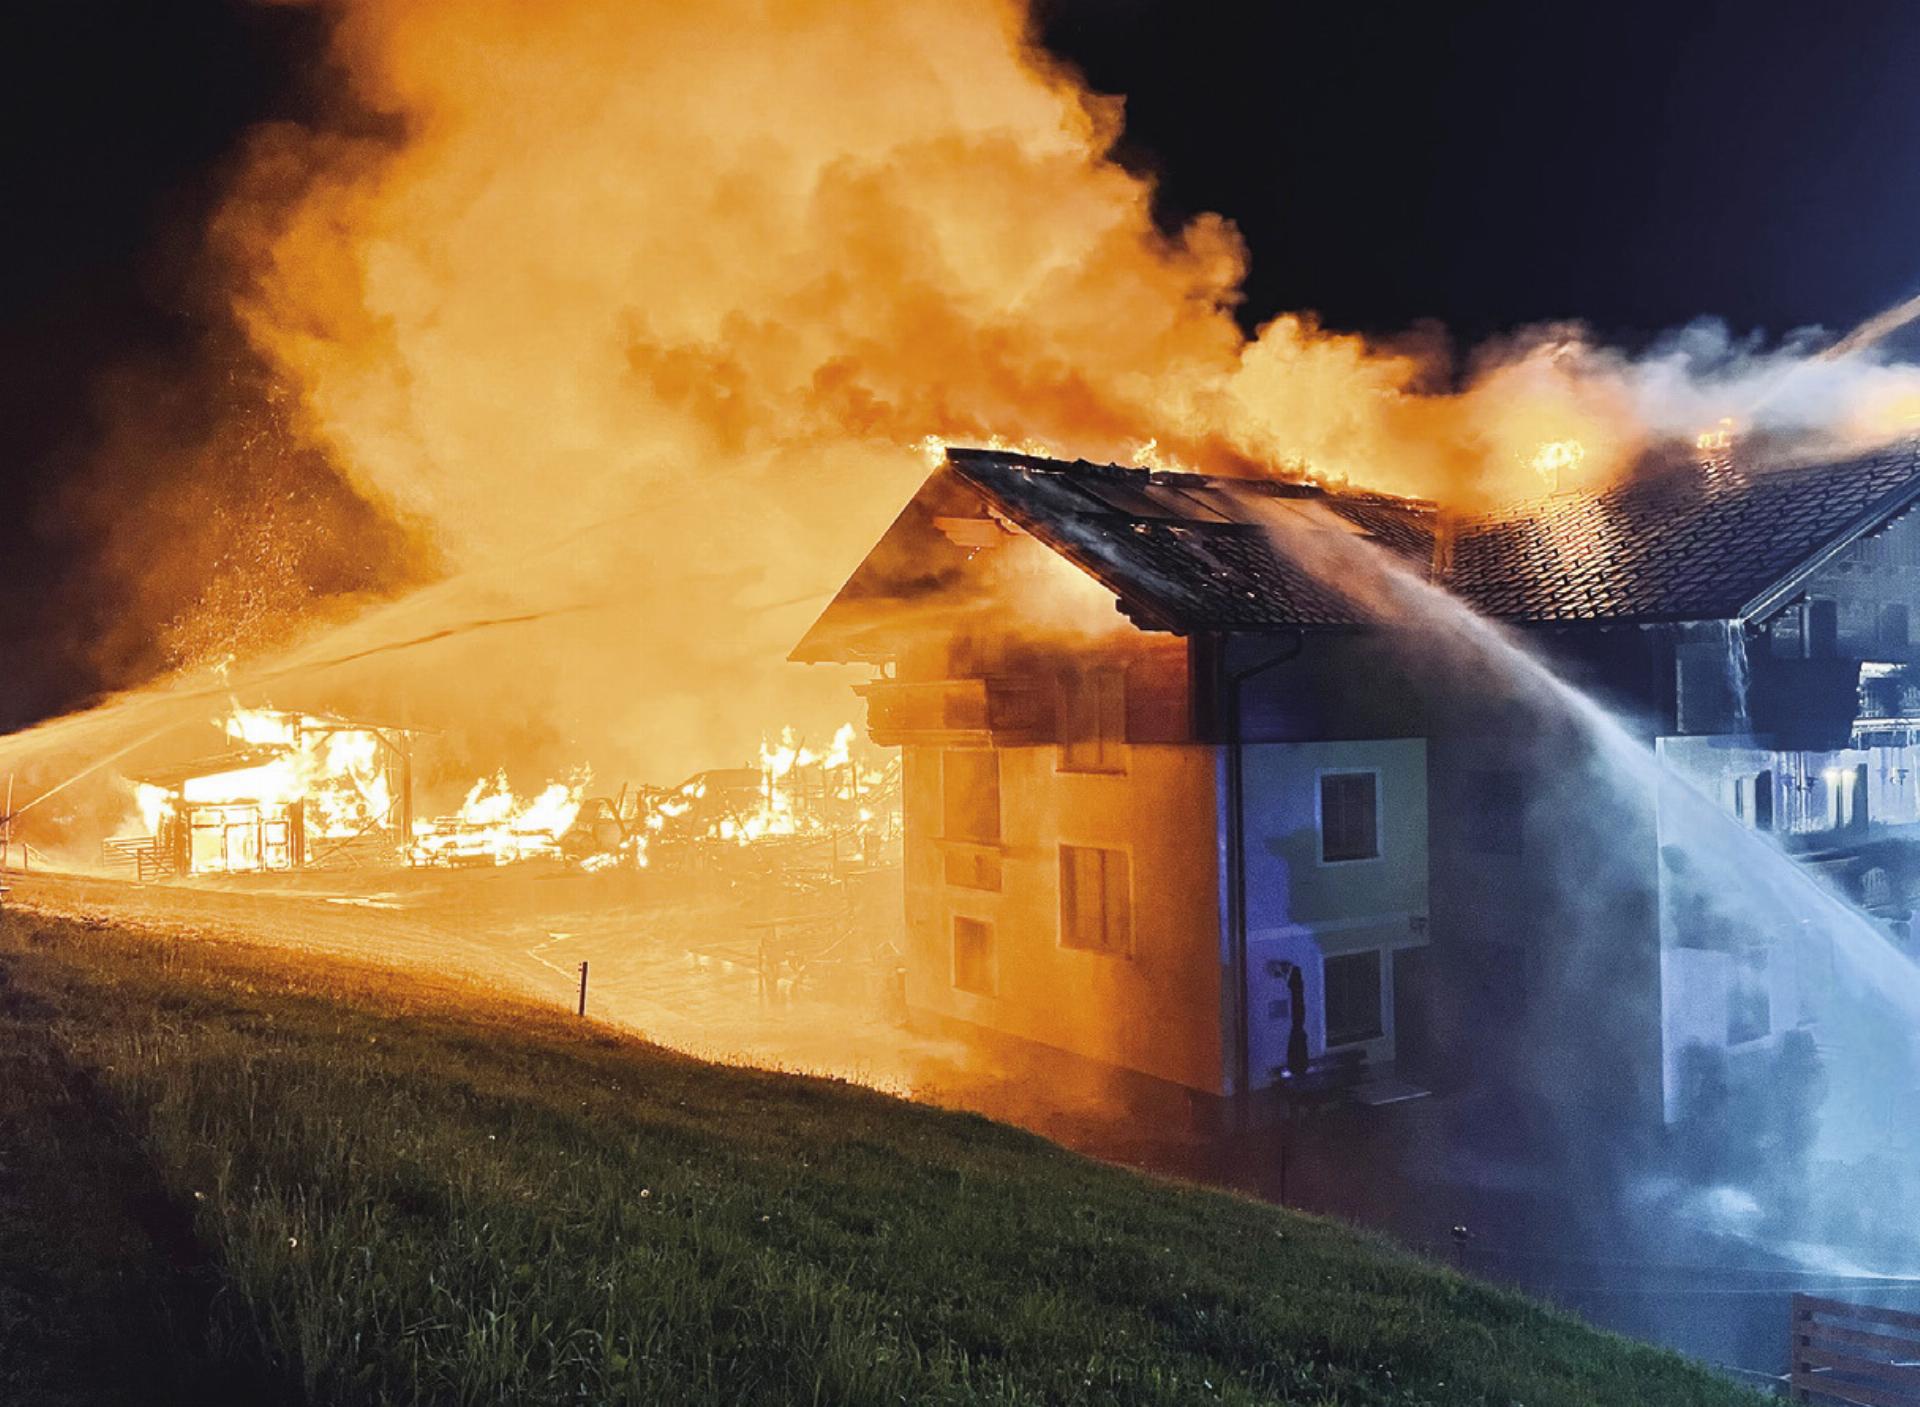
1183	802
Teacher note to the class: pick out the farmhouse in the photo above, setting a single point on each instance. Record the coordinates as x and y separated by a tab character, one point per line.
1249	833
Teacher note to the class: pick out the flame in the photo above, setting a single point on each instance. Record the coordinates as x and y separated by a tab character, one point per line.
796	791
1557	459
155	805
1149	455
641	392
793	776
259	726
339	775
1718	439
337	771
494	826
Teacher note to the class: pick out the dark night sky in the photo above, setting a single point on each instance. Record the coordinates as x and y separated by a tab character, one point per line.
1488	165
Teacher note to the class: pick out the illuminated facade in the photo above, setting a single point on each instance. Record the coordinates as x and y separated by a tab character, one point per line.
1240	831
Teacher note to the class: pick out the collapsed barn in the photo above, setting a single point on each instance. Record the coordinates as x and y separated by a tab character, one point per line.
1241	836
294	790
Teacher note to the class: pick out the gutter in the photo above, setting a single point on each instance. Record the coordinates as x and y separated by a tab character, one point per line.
1235	681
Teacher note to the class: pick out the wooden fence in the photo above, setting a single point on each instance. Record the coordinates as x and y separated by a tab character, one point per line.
1853	1353
140	852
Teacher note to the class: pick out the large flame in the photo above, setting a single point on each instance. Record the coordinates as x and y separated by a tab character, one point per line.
495	827
634	313
632	246
341	776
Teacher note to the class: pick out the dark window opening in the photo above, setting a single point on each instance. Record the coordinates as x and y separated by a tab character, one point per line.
1495	812
973	956
1785	638
1352	984
1893	626
1096	905
1823	630
1349	816
970	796
1763	800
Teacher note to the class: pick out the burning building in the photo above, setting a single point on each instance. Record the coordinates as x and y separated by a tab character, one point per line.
295	789
1255	826
289	790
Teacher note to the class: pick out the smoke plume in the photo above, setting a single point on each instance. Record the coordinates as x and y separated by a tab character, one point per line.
627	316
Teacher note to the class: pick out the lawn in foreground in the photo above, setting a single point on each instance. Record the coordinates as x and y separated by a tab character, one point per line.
411	1191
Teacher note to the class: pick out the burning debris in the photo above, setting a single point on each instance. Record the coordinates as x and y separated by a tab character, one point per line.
795	793
495	827
298	790
847	794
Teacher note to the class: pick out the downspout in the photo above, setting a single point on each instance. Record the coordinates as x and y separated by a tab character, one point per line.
1237	871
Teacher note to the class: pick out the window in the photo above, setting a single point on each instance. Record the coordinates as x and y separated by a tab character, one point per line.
1785	636
1096	905
1093	721
1893	626
973	956
1495	810
1352	998
970	796
1823	629
1349	816
1763	800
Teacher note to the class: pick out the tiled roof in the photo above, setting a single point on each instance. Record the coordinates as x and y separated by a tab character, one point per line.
1684	544
1191	552
1188	551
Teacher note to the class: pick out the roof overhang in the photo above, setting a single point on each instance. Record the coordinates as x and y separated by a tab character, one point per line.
1874	518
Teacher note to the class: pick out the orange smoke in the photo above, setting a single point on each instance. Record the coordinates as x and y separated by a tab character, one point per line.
634	248
632	313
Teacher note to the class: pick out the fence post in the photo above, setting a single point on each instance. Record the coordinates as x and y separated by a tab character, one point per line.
583	988
1795	1340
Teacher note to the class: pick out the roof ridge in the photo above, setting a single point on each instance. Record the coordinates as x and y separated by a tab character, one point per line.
1175	478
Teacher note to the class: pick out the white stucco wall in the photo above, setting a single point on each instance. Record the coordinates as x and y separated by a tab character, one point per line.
1303	910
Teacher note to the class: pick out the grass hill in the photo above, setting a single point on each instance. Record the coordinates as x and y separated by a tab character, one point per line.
234	1174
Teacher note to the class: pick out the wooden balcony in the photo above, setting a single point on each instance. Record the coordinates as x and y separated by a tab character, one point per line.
1006	711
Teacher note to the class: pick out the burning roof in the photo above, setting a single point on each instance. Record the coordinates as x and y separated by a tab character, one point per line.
1190	552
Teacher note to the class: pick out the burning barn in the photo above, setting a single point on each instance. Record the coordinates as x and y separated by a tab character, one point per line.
289	790
1251	832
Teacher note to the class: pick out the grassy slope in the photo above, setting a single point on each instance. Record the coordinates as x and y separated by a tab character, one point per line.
413	1192
93	1254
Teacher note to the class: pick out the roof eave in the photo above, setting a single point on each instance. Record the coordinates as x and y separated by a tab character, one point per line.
1767	601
